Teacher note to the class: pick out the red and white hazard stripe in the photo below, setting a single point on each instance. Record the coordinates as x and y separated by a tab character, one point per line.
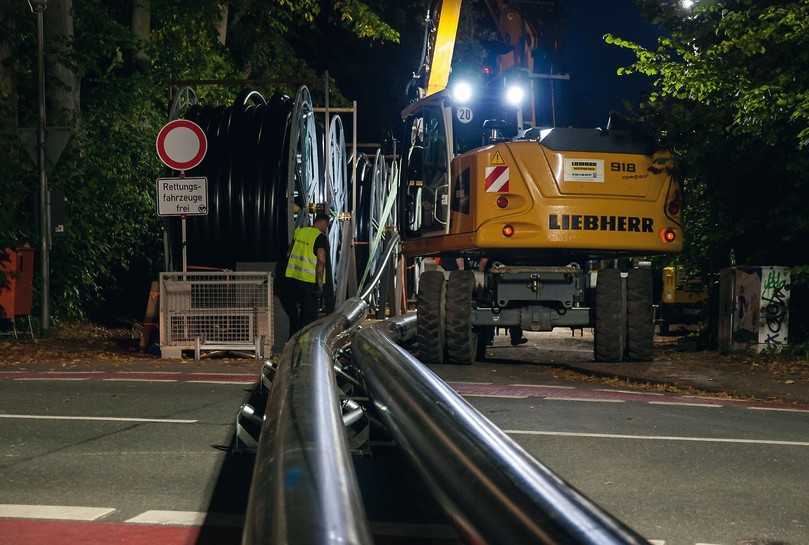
496	180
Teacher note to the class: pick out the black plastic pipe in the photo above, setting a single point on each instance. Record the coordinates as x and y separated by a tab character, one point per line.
492	489
304	489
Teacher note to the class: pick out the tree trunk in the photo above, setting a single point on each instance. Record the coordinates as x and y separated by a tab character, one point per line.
141	28
62	83
222	23
8	77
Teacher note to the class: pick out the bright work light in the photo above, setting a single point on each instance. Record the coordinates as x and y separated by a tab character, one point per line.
687	4
462	92
515	94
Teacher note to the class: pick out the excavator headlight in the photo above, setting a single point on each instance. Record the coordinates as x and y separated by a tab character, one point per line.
515	94
462	92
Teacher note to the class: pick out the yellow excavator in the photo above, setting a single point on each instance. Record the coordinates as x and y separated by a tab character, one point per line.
544	222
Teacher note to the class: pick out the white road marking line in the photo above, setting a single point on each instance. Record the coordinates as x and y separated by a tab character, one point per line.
683	404
473	383
660	438
58	512
98	418
71	379
147	372
187	518
628	392
226	374
719	398
140	380
550	398
242	382
82	372
657	541
496	396
704	543
778	409
544	386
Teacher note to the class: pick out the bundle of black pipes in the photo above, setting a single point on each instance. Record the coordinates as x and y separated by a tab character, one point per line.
247	168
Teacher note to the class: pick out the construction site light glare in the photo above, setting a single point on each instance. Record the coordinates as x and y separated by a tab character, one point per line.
462	92
514	95
687	4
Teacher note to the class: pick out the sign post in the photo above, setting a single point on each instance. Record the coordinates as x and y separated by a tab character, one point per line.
181	145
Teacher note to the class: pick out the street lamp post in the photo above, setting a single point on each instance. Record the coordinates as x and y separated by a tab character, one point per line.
38	8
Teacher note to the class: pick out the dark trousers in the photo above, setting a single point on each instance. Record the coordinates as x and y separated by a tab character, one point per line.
300	303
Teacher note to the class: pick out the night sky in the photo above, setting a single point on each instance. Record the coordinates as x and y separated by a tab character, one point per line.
377	76
594	88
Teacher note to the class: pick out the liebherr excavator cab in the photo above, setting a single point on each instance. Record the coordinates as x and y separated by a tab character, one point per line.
544	215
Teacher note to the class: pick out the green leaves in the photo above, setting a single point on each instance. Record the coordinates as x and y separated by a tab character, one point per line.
731	101
363	22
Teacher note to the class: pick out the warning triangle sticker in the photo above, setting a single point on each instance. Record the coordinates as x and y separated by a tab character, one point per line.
496	159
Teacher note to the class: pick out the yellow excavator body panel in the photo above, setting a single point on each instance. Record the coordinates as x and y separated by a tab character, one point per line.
524	195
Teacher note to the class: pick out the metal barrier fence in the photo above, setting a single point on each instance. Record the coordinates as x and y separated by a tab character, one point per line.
211	311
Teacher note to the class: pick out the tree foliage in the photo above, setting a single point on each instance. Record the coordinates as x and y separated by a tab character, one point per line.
730	98
111	248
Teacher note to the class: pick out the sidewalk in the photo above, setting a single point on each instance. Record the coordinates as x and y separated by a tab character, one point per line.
86	347
746	375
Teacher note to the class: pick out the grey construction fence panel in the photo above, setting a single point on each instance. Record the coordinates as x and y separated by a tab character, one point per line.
210	311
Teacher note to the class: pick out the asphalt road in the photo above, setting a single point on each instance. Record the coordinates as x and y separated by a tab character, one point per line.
143	458
681	470
116	450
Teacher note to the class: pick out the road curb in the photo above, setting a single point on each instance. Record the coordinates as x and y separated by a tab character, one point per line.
600	373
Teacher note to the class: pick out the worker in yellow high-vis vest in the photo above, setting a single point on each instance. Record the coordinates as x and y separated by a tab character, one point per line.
306	272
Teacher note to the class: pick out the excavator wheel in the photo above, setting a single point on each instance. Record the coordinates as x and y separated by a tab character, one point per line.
430	338
640	325
462	338
610	317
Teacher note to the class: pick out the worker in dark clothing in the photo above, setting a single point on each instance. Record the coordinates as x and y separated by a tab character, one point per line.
306	272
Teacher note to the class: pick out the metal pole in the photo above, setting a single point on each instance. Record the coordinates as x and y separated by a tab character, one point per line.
553	101
354	166
44	210
185	246
327	141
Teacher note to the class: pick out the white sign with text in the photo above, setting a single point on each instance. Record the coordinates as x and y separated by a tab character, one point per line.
182	196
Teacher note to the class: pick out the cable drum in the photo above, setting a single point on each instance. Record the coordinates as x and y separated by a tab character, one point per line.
303	168
246	168
337	200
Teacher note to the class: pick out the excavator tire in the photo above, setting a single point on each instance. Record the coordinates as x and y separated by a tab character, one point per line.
462	339
640	325
431	315
610	317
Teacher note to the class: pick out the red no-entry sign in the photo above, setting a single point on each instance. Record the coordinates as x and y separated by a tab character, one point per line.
181	144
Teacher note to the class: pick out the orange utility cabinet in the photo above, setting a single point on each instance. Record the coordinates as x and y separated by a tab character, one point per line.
16	282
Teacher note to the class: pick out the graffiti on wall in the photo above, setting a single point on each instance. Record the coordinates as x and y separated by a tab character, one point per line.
774	315
747	307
